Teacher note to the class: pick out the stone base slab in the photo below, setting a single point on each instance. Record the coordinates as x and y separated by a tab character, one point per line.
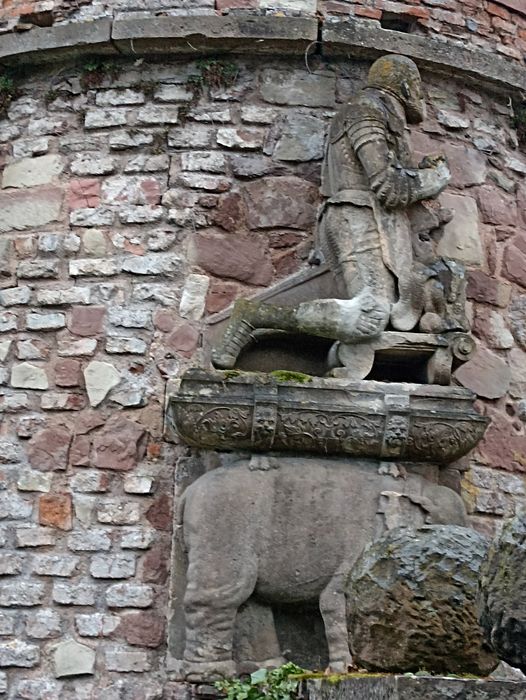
414	688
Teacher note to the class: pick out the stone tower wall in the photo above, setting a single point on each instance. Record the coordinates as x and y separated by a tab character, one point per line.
146	189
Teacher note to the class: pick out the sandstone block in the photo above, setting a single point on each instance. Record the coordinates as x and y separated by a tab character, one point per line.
129	595
113	566
67	372
140	214
487	290
100	379
45	322
137	538
497	207
43	624
114	98
517	315
183	340
199	181
486	374
119	445
86	320
252	114
451	120
131	189
153	264
23	210
67	296
55	510
147	164
30	147
190	137
244	139
298	88
10	564
208	161
245	259
32	269
28	376
8	321
98	216
35	537
72	347
119	513
122	140
104	118
514	264
93	267
302	138
94	540
73	659
96	625
142	629
18	653
33	349
34	481
74	594
155	114
13	507
22	594
84	194
30	172
87	164
55	565
287	202
461	240
124	346
130	317
138	485
48	449
126	661
15	296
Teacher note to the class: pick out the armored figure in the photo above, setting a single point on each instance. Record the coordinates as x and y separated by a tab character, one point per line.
365	225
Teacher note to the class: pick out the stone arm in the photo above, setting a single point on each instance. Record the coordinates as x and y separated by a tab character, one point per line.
394	185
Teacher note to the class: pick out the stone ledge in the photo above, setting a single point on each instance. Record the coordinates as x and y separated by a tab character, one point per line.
57	43
254	34
414	688
368	39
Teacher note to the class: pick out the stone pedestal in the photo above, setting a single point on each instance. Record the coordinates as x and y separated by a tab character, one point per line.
413	688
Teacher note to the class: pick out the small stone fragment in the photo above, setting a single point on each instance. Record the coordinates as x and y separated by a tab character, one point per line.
73	659
28	376
486	374
100	378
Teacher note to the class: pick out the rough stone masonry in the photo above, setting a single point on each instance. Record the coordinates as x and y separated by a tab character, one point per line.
131	209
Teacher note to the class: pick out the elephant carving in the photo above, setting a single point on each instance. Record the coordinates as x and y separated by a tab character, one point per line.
288	530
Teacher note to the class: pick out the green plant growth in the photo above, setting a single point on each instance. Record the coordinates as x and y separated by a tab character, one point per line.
8	92
95	70
279	684
212	74
285	375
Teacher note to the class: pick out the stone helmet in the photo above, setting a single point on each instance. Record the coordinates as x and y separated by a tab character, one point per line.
399	76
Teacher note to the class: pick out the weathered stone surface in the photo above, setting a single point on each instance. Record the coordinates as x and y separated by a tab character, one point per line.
287	202
490	325
96	625
301	138
30	172
86	320
245	259
23	210
488	290
461	240
119	513
55	510
486	374
73	659
142	629
28	376
100	378
298	88
412	602
497	207
119	445
21	594
55	565
501	592
503	445
129	595
34	481
193	298
517	315
35	537
43	624
48	449
514	263
45	322
74	594
113	566
18	653
126	661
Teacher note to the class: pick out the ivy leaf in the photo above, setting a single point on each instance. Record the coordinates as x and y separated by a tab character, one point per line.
259	676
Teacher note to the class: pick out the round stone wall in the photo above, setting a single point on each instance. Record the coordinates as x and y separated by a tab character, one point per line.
153	170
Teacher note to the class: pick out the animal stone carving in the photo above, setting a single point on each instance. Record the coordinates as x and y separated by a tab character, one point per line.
285	530
377	236
411	602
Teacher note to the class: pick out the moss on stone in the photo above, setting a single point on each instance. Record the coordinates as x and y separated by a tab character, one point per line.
285	375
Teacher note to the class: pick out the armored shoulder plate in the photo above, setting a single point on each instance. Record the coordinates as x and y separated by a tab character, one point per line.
363	107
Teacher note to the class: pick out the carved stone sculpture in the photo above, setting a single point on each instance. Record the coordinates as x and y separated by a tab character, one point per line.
502	593
411	600
376	234
288	530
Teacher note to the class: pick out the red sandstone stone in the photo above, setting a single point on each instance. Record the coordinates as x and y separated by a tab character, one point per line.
79	453
369	12
497	10
504	444
245	259
119	445
86	320
88	421
55	510
487	290
165	320
220	295
159	514
486	374
497	207
514	265
154	567
84	193
235	4
142	629
67	372
183	340
230	212
48	449
152	190
287	202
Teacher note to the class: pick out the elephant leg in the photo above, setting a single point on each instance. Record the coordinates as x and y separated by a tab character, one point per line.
333	611
256	642
211	601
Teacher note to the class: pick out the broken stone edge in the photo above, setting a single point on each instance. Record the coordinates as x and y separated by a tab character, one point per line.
254	34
